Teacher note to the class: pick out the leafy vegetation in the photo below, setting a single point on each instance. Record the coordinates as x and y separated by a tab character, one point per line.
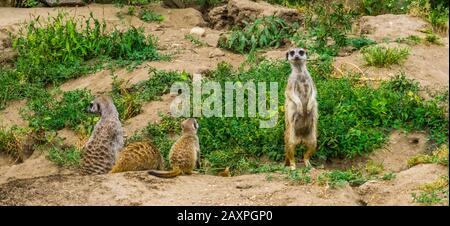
65	156
360	42
46	112
381	56
194	40
11	142
410	40
148	15
439	156
433	38
373	168
433	193
263	32
338	178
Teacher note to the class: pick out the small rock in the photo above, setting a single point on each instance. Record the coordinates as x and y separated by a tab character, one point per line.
212	39
198	31
216	53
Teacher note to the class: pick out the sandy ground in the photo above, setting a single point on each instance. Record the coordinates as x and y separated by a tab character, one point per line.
37	181
427	63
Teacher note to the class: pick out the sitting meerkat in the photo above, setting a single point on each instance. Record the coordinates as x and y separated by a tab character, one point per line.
301	113
106	141
138	156
184	155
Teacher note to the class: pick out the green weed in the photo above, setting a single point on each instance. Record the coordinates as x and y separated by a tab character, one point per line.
194	40
388	176
65	156
338	178
46	112
263	32
433	193
150	16
410	40
380	56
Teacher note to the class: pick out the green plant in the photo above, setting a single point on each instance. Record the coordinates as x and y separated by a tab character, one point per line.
326	22
360	42
150	16
263	32
11	142
433	38
57	50
65	156
388	176
438	17
194	40
373	168
338	178
433	193
131	10
377	7
126	102
439	156
410	40
299	176
159	83
381	56
46	112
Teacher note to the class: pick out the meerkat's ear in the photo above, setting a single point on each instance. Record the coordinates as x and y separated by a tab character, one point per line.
287	55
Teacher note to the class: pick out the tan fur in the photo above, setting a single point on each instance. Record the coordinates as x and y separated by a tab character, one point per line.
300	109
138	156
184	154
106	141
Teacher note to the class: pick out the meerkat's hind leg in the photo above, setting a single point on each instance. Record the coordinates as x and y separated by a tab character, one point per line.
290	155
311	146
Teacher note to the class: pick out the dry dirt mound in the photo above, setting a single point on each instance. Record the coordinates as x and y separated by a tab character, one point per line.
238	11
393	157
35	166
398	191
427	63
138	188
11	115
391	26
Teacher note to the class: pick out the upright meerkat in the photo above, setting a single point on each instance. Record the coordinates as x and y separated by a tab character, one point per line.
184	154
106	140
300	109
138	156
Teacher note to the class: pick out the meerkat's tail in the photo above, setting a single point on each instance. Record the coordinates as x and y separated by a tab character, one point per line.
166	174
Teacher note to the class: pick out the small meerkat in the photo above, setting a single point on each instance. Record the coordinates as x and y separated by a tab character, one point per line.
137	156
301	113
106	141
184	155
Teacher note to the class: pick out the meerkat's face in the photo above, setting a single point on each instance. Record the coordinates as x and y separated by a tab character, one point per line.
296	55
95	106
190	124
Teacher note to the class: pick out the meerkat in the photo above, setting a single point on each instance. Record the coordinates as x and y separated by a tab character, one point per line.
184	155
106	141
138	156
300	109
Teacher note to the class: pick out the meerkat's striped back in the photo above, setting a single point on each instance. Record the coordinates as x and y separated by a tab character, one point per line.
138	156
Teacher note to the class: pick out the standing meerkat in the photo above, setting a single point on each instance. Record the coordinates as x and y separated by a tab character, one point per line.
106	140
184	155
300	109
138	156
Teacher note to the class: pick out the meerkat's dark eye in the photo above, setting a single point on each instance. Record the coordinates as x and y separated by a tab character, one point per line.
292	52
301	52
